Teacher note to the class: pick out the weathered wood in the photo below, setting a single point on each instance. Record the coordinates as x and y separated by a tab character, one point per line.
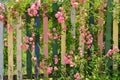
19	52
115	25
55	24
100	32
1	50
63	43
108	35
10	49
45	38
37	45
28	52
45	33
115	36
73	21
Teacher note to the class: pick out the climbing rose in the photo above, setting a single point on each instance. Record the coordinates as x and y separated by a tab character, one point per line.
61	19
75	4
58	14
71	52
55	68
72	64
41	66
38	4
66	60
24	47
32	12
49	70
1	17
110	53
34	58
26	38
54	29
56	60
77	76
64	28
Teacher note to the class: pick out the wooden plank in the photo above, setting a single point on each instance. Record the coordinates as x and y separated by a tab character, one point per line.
108	35
63	44
45	38
55	24
10	49
115	37
1	50
115	26
28	52
37	44
45	32
19	52
100	32
73	21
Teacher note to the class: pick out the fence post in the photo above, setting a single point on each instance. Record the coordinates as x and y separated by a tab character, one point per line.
55	41
45	36
108	35
115	36
55	24
73	21
10	48
19	52
37	44
1	50
28	53
91	22
63	45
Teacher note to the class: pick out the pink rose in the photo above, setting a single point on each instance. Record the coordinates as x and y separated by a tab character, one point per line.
49	70
61	19
24	47
55	68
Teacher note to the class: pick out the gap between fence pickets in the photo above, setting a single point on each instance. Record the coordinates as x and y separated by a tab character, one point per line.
19	52
1	50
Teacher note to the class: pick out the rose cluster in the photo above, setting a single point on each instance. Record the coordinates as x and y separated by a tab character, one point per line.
33	10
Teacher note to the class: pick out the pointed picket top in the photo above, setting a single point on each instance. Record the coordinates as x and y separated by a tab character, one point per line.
1	51
19	52
73	15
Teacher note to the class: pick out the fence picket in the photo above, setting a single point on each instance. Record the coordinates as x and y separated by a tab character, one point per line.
1	50
73	21
108	35
115	36
10	49
45	35
19	52
37	44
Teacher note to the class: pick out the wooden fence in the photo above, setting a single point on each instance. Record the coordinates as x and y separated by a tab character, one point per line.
110	25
